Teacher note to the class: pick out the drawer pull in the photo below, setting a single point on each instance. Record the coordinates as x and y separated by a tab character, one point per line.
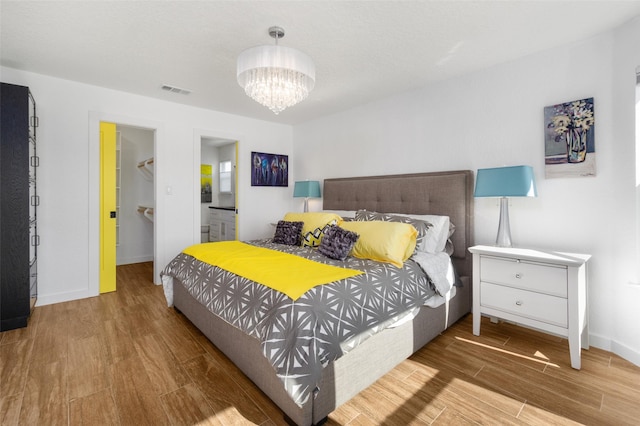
519	302
518	276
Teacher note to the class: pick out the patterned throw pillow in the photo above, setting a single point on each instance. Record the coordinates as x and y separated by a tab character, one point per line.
315	225
289	233
313	238
337	243
421	226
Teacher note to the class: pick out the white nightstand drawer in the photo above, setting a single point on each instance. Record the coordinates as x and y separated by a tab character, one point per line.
537	306
542	278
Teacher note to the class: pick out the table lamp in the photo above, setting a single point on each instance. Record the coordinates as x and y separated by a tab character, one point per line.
504	182
307	189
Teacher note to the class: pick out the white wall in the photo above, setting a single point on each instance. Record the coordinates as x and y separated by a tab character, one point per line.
625	337
494	118
68	176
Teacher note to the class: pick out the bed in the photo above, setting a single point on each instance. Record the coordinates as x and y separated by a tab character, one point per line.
439	193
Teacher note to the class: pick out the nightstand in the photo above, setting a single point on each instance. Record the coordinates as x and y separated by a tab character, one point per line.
540	289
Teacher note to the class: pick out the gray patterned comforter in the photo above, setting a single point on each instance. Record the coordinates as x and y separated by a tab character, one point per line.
300	338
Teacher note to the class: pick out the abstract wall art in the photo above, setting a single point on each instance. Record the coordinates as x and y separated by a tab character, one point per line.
269	169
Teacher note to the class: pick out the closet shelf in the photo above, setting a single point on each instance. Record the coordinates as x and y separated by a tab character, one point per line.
146	168
146	211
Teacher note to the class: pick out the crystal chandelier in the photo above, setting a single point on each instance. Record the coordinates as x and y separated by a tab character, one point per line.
276	76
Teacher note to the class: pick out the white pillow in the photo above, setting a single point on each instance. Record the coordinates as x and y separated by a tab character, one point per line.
436	239
345	214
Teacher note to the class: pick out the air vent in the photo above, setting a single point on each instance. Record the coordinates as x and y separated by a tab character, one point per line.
174	89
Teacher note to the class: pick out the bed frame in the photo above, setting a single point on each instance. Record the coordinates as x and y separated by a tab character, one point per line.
440	193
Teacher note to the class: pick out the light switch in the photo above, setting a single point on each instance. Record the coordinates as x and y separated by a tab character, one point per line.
169	190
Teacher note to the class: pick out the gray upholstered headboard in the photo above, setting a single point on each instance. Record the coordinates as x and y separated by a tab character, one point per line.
440	193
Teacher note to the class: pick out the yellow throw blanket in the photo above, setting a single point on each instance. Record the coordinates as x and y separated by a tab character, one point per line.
284	272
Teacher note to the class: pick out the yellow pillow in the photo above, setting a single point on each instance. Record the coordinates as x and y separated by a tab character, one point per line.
315	225
391	242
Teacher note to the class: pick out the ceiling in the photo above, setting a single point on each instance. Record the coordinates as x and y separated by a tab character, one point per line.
363	50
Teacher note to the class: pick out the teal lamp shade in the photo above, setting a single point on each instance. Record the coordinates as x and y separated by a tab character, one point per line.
503	182
307	189
515	181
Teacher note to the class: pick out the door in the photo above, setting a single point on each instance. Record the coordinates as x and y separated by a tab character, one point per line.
107	207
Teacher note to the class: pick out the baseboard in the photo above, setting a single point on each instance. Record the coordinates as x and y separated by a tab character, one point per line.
600	342
616	347
606	344
50	299
137	259
626	352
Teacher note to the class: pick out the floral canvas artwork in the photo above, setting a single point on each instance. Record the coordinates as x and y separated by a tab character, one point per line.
570	139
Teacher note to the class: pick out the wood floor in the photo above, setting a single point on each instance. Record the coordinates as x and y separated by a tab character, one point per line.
124	358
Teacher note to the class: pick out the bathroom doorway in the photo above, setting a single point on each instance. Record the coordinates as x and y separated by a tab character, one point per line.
218	189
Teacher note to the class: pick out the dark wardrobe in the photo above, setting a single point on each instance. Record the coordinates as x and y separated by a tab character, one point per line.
19	200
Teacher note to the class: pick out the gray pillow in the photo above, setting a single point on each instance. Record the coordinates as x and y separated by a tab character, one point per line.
289	233
337	243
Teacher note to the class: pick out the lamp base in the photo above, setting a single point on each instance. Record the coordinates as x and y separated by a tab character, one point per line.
504	233
306	204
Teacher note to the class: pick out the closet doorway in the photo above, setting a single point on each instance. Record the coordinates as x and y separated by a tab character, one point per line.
218	189
135	166
96	242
